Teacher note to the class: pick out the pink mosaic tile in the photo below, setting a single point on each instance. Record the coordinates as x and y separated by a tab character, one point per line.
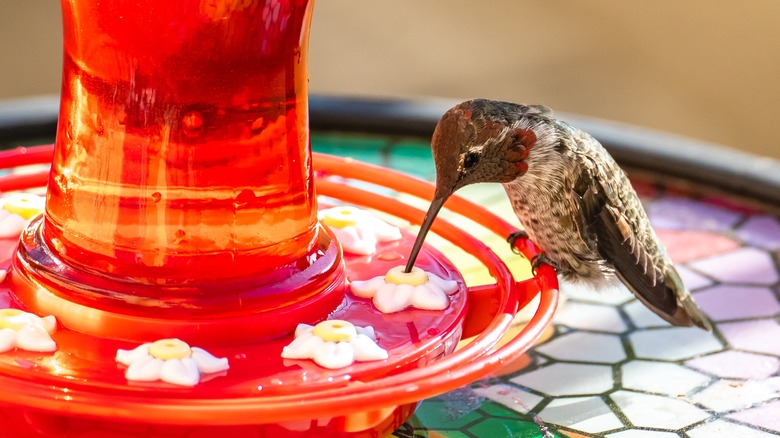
766	416
745	265
684	246
725	429
725	302
762	232
736	365
688	214
758	336
725	395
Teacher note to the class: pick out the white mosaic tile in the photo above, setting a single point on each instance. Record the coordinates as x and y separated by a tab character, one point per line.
585	347
674	343
724	429
642	317
514	398
582	292
559	379
595	317
586	414
644	410
737	365
728	395
661	378
642	434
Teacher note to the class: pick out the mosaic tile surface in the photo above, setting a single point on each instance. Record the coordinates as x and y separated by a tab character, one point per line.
613	368
610	367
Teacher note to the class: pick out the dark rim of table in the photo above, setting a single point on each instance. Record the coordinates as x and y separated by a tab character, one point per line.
663	155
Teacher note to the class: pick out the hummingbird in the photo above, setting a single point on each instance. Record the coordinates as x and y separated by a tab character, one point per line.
571	197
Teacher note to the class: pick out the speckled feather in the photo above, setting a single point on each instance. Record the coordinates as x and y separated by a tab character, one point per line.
575	203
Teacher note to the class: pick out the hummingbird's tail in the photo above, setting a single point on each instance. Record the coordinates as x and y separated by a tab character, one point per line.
686	307
678	309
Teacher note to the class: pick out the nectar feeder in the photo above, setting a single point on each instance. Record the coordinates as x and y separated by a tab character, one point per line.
181	204
180	200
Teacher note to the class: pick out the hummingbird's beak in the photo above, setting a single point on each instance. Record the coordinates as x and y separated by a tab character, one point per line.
438	201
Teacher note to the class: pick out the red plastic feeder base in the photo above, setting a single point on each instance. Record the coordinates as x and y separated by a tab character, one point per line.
80	390
42	288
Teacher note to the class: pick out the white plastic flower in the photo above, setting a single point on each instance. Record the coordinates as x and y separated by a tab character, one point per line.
358	230
334	344
169	360
26	331
398	290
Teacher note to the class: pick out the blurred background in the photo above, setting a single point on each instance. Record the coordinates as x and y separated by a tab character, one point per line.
707	69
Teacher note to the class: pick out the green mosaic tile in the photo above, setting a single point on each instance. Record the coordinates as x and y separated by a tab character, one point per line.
369	149
498	410
408	430
413	158
423	144
499	427
440	414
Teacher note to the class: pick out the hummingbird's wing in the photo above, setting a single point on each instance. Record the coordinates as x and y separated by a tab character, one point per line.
605	221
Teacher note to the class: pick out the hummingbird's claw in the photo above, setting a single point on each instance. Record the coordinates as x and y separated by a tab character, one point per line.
519	234
540	259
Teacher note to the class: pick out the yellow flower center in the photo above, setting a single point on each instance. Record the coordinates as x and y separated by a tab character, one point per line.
170	349
341	217
13	319
397	275
25	205
335	330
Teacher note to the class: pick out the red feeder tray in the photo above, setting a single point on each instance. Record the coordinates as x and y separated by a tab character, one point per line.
80	389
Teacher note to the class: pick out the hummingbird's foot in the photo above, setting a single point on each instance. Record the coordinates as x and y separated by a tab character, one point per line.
540	259
519	234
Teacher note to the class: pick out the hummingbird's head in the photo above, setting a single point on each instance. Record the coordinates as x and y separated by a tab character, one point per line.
482	141
479	141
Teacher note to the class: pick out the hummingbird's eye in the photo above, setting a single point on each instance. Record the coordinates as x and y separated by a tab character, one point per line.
470	160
